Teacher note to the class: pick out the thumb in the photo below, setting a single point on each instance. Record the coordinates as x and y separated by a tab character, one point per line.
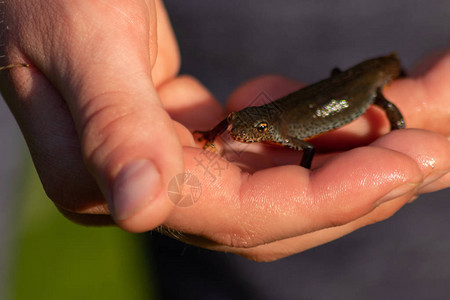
130	146
128	141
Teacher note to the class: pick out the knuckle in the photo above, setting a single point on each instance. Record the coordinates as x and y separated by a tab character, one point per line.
106	128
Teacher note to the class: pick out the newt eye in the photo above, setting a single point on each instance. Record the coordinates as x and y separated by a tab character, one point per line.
262	127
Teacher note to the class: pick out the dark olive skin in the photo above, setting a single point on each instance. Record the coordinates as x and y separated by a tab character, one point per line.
318	108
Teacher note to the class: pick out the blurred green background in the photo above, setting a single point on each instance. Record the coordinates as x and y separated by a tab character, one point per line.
56	259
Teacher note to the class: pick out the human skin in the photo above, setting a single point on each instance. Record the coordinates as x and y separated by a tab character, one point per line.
109	123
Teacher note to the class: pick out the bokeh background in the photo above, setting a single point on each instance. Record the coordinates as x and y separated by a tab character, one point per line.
224	43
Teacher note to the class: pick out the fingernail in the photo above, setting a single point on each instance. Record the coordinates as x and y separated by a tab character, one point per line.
135	185
397	192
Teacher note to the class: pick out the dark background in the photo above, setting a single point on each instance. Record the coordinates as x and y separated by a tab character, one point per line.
224	43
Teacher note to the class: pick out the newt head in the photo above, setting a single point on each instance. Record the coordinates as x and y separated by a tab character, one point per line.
253	124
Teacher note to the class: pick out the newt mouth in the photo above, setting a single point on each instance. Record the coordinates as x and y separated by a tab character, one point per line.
243	136
239	135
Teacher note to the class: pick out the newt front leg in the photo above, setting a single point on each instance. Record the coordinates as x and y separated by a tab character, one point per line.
210	135
307	149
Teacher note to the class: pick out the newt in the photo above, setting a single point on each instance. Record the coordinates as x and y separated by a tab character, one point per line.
294	119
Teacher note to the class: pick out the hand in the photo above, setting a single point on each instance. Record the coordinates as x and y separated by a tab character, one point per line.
88	104
279	209
110	103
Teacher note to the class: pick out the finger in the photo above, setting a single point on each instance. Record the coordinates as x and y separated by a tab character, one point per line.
433	157
261	90
87	219
53	142
427	63
440	183
425	100
242	210
190	103
167	56
287	247
120	123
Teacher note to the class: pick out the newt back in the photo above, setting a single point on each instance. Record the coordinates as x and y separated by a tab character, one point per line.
317	108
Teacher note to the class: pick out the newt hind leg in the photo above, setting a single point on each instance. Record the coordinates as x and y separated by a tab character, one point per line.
393	114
